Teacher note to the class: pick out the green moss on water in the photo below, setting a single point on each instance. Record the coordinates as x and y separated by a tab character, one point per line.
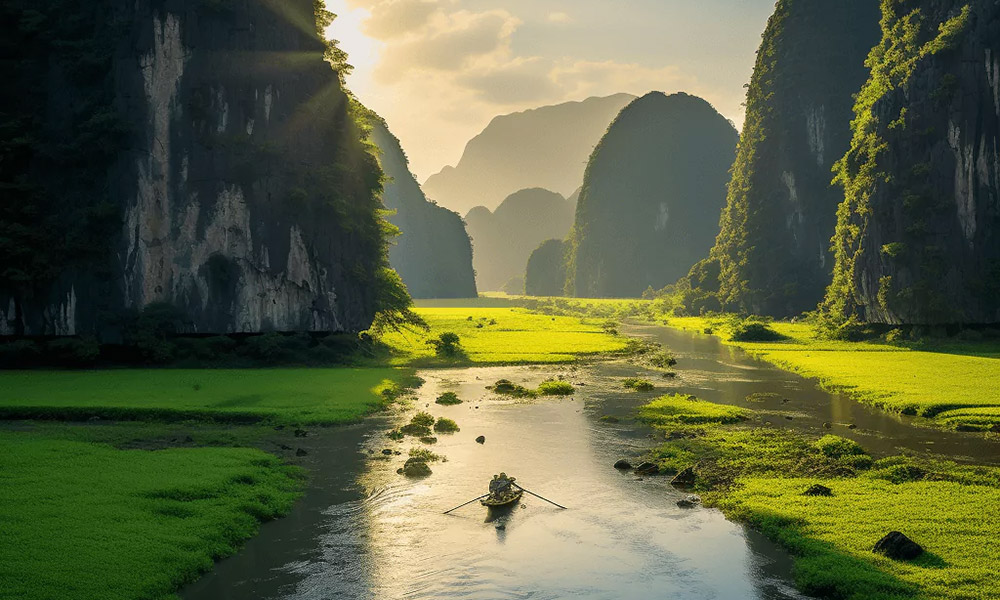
445	425
688	410
555	388
448	399
423	418
638	385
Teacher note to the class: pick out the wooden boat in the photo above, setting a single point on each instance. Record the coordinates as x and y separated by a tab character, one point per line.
507	499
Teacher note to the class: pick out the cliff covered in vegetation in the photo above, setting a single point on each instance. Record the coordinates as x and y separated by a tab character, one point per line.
433	253
545	274
918	234
196	154
504	239
774	243
651	198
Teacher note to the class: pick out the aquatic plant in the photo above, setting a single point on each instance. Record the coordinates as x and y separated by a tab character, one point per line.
637	384
554	387
415	430
506	387
835	446
423	418
445	425
448	399
424	455
416	467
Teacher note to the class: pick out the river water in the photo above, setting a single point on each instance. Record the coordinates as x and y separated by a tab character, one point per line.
364	532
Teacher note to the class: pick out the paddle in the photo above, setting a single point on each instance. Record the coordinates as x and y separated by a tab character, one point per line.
469	502
537	496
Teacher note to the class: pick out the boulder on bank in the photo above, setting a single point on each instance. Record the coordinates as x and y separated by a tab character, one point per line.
686	477
897	546
818	490
623	465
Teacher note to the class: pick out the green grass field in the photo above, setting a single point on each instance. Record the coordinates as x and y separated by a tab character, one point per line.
492	336
287	396
758	475
85	520
934	381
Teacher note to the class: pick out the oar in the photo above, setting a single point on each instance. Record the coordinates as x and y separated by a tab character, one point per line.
469	502
537	496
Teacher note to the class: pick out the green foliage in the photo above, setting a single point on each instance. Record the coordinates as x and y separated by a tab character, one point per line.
506	387
333	53
838	447
393	304
555	388
681	409
447	344
125	524
752	329
57	213
639	385
448	399
444	425
908	38
423	418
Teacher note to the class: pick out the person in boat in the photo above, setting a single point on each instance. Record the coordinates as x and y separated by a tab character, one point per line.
501	485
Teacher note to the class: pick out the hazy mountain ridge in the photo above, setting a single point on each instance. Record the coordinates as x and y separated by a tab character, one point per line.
545	147
433	254
504	239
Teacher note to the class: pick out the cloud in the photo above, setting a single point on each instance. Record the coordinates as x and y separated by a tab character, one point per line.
516	81
394	19
458	40
560	17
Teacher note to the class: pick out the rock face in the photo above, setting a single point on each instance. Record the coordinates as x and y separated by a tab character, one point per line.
917	236
504	239
433	254
546	271
652	195
774	243
239	187
546	147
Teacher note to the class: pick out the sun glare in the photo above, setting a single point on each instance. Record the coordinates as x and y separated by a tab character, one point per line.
362	51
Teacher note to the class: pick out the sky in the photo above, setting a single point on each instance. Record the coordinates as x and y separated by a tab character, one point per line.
439	70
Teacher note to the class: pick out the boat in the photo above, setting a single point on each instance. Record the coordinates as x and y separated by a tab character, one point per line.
502	500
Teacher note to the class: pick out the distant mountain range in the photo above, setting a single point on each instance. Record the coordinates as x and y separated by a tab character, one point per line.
546	147
503	240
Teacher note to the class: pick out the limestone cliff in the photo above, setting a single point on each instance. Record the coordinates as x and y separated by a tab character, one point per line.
918	235
239	188
774	243
433	253
651	198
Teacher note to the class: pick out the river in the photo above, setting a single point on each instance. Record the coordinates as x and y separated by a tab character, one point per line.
364	532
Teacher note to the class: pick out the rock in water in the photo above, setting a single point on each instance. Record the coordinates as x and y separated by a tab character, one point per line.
623	465
416	467
818	490
481	439
774	245
300	452
916	241
652	196
897	546
685	478
433	255
689	502
647	468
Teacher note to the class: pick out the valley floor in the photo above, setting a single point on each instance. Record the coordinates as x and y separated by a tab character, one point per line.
129	483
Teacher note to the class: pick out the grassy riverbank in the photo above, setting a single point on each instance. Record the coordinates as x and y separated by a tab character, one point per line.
759	475
502	336
951	382
274	396
87	520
